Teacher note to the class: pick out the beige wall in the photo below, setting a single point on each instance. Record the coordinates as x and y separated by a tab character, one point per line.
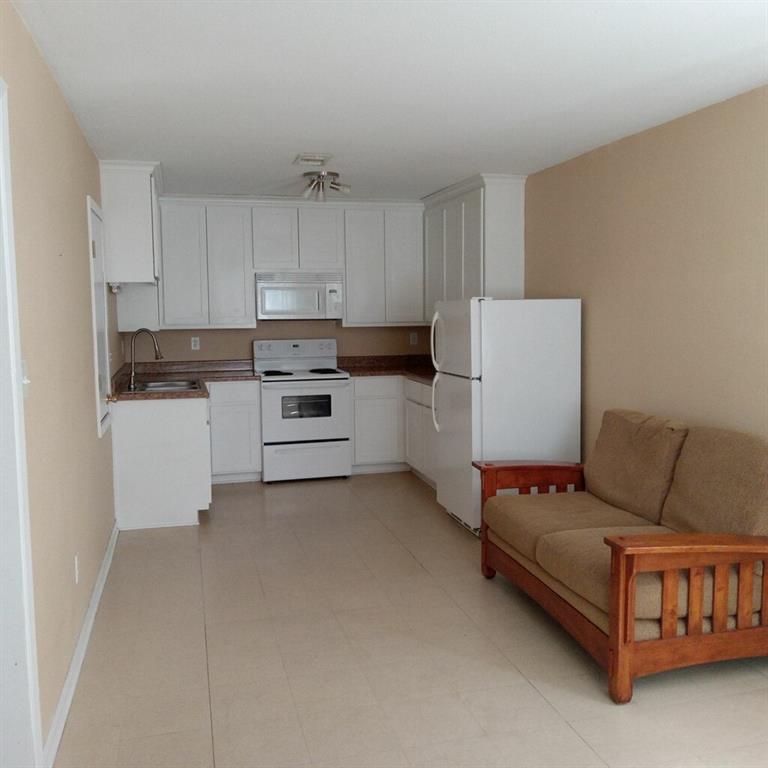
665	237
70	470
236	345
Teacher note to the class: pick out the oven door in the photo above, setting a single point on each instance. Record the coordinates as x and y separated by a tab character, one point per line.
290	301
305	411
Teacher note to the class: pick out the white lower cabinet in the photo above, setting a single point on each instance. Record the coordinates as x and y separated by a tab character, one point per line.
161	462
235	415
420	434
379	420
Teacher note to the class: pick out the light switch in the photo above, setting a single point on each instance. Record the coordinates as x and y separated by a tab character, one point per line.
413	338
195	343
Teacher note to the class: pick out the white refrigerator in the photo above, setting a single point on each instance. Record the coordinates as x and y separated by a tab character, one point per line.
507	386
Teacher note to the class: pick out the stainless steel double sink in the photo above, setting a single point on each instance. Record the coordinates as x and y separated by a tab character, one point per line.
186	385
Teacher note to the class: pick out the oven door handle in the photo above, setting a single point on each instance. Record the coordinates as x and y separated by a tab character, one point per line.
290	386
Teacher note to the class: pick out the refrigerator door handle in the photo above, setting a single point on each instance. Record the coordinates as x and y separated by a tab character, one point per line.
434	411
432	331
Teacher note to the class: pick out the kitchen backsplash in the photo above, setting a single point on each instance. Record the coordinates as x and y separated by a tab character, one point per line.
236	344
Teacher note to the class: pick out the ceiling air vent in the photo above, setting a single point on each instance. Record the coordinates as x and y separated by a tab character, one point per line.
316	159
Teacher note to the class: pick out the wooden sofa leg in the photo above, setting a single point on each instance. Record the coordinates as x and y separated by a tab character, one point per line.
486	569
488	572
620	678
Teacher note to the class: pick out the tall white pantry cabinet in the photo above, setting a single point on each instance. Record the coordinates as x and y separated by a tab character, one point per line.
474	240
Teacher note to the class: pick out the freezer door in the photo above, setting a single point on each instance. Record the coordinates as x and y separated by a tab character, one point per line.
458	484
531	379
456	337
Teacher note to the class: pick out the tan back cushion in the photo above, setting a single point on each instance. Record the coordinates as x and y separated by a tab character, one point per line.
632	463
720	485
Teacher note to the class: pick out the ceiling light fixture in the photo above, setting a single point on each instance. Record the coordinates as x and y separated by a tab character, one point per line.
317	181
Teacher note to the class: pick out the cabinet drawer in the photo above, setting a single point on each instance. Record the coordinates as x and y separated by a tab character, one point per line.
225	392
379	386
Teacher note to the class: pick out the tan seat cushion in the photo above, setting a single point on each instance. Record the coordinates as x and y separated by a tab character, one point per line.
522	520
633	460
645	629
582	561
720	485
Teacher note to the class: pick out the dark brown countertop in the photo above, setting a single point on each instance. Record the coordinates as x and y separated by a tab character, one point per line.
195	370
416	367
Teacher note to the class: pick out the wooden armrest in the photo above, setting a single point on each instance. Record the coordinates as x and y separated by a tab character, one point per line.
526	475
688	543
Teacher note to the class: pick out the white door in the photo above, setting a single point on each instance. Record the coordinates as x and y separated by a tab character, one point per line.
231	284
454	215
101	356
20	734
531	410
434	264
321	238
403	238
456	337
275	238
365	267
458	484
185	266
472	281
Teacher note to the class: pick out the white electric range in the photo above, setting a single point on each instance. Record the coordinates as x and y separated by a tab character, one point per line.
306	410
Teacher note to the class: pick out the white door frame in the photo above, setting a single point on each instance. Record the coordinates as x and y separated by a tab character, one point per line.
20	726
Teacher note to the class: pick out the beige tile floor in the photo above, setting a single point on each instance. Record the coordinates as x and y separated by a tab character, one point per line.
346	624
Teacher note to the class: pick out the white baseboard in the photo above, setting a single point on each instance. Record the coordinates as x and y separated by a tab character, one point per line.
73	674
377	469
241	477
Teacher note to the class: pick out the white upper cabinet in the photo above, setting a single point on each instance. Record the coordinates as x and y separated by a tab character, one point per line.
321	238
454	223
385	266
472	244
475	240
434	259
404	256
185	265
365	284
128	200
275	238
231	285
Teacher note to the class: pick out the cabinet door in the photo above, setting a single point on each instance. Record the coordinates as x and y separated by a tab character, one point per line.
473	244
185	266
429	443
403	238
127	201
414	435
434	263
321	238
275	238
379	433
453	249
365	267
235	438
231	285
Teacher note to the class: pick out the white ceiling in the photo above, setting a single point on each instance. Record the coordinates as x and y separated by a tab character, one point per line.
408	96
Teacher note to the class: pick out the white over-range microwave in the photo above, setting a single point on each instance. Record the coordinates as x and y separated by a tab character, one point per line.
299	296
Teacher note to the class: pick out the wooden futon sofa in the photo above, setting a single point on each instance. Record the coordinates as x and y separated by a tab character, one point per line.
656	559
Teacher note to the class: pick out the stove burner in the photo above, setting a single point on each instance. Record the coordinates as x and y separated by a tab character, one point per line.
276	373
323	370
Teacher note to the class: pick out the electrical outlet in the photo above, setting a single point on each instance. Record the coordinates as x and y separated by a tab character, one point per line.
77	569
195	343
413	338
